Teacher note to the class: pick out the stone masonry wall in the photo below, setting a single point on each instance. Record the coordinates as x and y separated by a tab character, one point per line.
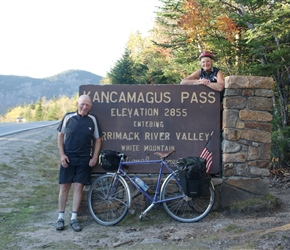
246	145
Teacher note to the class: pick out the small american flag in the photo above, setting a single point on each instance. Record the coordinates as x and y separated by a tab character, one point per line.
207	155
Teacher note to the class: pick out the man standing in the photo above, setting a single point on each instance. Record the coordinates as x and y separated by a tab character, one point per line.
79	143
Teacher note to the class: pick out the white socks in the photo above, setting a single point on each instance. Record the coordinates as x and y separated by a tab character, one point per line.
60	215
74	216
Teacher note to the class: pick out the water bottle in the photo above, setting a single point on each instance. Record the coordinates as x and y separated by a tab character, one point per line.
141	183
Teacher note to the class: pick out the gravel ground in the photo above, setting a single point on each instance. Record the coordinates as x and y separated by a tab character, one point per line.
258	229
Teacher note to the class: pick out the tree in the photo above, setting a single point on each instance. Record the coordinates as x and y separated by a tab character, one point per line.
248	36
123	71
193	26
270	51
38	111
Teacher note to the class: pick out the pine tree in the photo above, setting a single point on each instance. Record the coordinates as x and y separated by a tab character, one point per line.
123	71
38	111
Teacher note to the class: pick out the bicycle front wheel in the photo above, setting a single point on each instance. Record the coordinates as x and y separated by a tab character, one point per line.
184	208
109	199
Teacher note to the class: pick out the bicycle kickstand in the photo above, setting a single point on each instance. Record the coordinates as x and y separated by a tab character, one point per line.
143	214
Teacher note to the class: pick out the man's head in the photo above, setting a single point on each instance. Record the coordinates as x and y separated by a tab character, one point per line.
84	105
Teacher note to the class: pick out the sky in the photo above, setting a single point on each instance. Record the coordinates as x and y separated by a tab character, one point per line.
41	38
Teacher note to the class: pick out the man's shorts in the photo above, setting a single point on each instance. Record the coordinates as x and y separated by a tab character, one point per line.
78	170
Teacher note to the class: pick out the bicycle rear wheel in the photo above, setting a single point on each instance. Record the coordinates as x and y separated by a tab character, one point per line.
109	199
185	209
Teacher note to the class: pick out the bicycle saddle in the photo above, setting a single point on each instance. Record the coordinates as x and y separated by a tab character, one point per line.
164	154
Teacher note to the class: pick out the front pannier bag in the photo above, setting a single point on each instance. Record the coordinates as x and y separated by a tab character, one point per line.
109	159
193	177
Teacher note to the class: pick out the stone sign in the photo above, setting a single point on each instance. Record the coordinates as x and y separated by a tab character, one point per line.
142	119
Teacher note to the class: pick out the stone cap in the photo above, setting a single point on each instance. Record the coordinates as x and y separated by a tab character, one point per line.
249	82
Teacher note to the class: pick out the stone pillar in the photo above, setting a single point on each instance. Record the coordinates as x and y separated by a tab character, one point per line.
246	145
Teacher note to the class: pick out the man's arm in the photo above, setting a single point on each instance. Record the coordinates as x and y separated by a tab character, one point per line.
97	147
60	144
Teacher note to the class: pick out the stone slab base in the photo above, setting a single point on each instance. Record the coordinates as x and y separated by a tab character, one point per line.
241	189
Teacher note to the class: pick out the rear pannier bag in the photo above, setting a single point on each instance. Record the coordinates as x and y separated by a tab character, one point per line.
109	160
193	177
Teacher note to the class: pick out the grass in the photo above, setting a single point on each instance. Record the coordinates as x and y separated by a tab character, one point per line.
264	203
29	189
232	228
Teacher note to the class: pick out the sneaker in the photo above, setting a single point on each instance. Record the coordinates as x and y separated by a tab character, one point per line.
59	225
75	226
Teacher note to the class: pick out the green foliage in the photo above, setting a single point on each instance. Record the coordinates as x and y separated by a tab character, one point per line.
280	150
266	38
247	37
38	111
123	72
42	110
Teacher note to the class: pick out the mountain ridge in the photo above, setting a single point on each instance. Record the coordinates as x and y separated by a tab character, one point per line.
20	90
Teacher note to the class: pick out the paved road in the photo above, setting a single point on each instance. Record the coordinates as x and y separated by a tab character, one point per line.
13	127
